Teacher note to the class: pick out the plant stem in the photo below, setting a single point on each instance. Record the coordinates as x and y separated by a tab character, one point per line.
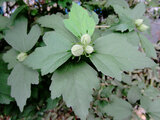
106	26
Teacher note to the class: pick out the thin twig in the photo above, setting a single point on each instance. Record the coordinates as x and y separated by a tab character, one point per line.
106	26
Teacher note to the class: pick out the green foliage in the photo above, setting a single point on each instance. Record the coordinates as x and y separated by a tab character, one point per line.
153	3
4	88
51	104
147	47
22	42
151	107
10	58
79	24
75	82
44	73
3	22
22	77
134	94
119	109
151	92
16	13
64	3
112	57
51	56
128	16
122	3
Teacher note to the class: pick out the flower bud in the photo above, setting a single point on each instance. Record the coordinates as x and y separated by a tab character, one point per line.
85	39
21	57
143	27
138	22
89	49
77	50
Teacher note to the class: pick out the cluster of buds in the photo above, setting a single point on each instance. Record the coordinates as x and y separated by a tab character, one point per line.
140	26
140	112
83	47
22	56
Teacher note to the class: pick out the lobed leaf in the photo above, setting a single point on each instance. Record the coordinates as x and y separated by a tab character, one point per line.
20	81
147	47
51	56
114	55
18	38
81	23
128	16
75	82
56	22
122	3
10	58
119	109
151	107
134	94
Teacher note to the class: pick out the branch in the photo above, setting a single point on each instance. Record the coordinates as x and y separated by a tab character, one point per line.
105	26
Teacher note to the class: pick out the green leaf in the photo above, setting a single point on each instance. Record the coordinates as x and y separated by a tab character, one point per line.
112	20
132	38
119	109
138	11
20	80
64	3
95	17
127	79
1	36
81	23
122	3
111	57
134	94
145	102
152	92
52	21
153	3
4	21
126	21
16	13
147	22
5	97
128	16
75	82
107	65
147	47
18	38
10	58
51	56
55	22
151	107
51	104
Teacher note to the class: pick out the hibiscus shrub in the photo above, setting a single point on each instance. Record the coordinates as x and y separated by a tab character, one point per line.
81	59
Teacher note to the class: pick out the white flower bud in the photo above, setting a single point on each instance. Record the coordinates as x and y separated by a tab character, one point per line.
138	22
89	49
77	50
85	39
143	27
21	57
